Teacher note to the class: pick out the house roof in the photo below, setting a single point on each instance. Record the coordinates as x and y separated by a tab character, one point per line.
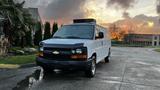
35	14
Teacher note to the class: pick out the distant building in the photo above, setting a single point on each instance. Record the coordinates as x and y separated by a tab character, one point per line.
3	39
36	19
143	39
35	14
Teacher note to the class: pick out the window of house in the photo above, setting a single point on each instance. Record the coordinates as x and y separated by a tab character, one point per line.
155	43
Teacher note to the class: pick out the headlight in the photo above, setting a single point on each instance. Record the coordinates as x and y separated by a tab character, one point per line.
41	49
79	51
73	51
82	50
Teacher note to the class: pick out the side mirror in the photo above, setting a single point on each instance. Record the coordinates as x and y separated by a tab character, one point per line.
101	35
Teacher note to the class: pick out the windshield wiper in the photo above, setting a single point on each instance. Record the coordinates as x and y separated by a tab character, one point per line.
73	37
58	37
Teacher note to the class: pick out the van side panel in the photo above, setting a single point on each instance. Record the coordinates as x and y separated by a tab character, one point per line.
102	45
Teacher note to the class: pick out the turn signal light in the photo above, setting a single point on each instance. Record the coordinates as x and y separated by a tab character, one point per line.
79	57
40	54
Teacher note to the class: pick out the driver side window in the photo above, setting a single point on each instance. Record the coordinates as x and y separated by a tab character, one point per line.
99	34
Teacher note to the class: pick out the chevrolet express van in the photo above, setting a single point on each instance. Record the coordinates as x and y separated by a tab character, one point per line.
80	46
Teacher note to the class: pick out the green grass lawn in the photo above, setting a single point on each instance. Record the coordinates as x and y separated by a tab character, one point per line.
18	60
157	50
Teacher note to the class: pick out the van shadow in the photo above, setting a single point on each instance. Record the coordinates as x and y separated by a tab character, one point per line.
39	76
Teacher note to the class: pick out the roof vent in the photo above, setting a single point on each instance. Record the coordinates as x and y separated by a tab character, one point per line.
93	21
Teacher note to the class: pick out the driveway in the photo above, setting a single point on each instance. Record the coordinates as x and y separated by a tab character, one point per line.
129	69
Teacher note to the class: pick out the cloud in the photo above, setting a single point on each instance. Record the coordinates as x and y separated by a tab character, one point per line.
60	9
140	24
124	4
35	3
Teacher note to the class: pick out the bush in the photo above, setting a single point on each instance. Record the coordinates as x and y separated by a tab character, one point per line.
47	32
30	50
22	51
29	38
19	52
38	34
54	28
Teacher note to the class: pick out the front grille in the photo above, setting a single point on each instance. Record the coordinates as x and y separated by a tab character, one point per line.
64	54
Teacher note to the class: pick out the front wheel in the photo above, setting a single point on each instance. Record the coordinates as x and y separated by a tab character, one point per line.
92	68
107	59
47	70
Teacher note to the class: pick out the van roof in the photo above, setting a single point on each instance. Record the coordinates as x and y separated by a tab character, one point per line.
86	24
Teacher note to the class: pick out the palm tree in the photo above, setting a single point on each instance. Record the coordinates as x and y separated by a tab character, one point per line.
17	20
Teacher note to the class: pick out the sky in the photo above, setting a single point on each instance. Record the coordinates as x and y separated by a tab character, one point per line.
111	14
105	11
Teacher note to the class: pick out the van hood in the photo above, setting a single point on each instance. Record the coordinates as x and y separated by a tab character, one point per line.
81	42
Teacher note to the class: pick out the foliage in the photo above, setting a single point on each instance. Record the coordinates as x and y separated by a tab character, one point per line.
17	20
38	34
28	39
18	59
157	50
23	51
54	28
47	33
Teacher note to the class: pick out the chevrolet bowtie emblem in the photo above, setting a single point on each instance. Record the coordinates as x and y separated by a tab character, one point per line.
55	52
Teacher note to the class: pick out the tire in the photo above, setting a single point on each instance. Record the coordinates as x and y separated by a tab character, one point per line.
107	59
91	71
47	70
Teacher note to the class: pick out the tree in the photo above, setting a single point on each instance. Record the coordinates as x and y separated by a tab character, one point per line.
47	32
28	35
17	20
38	34
28	38
54	28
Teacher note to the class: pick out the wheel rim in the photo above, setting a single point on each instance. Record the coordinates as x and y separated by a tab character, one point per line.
93	67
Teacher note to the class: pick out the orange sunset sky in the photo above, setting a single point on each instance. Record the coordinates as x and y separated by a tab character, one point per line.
101	10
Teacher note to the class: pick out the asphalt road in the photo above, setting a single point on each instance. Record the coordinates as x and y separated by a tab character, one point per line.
129	69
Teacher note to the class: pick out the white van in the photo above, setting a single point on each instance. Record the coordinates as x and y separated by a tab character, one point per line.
80	45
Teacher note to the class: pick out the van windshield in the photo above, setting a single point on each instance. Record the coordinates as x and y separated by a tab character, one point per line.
75	32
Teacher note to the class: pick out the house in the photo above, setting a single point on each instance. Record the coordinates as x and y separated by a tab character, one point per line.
36	19
143	39
34	14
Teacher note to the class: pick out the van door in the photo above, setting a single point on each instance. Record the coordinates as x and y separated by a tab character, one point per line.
100	45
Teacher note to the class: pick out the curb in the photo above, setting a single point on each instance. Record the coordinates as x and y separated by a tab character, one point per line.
5	67
28	65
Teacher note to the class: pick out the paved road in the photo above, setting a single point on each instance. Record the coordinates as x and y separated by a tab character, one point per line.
129	69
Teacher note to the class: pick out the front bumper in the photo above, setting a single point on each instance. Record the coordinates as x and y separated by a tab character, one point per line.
55	64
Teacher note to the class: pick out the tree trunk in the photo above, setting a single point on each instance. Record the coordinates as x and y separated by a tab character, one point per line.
8	32
22	41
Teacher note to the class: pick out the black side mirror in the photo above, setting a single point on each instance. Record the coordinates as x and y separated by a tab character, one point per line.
101	35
